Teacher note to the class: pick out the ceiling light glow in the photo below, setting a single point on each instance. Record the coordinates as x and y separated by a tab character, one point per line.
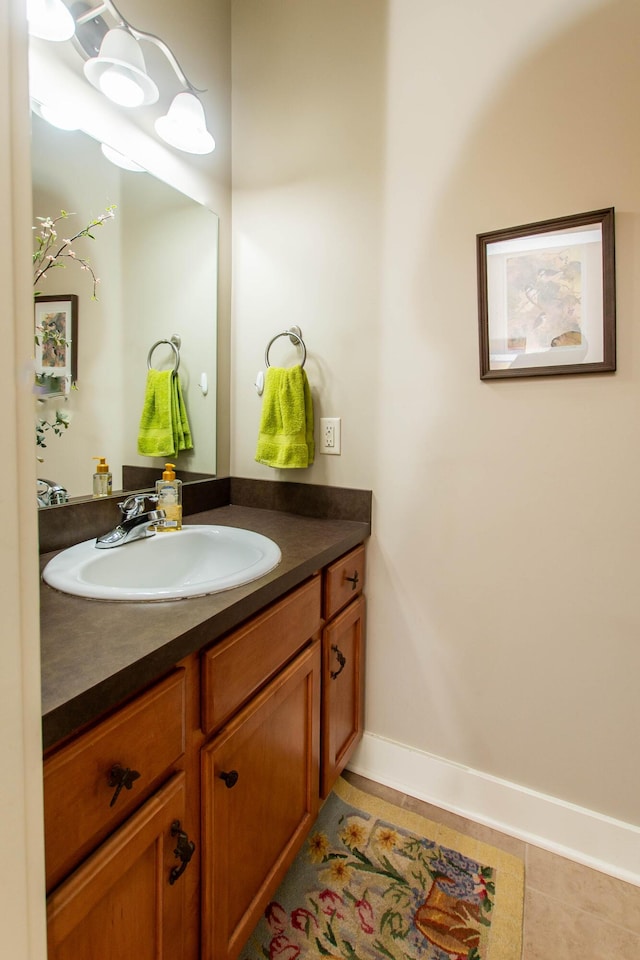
120	87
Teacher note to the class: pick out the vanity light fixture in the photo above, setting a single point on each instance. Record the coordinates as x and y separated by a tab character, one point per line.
184	125
50	20
119	71
115	65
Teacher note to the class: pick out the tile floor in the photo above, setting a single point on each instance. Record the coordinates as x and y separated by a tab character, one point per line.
570	912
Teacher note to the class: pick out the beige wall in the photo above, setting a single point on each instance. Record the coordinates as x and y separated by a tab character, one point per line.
372	141
22	877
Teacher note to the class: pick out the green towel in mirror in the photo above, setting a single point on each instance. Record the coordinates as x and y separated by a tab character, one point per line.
164	428
285	438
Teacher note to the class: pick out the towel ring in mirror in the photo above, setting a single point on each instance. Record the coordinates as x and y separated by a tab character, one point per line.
294	337
174	343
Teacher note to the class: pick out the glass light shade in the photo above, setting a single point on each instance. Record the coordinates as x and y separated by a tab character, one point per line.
119	71
59	115
184	125
50	20
120	159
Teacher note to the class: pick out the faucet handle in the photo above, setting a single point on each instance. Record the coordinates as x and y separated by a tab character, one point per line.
134	505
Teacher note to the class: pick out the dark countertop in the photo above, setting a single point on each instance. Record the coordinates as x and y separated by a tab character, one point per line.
97	653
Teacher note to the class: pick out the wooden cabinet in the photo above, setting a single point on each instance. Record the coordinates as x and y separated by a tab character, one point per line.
125	901
260	798
342	664
170	823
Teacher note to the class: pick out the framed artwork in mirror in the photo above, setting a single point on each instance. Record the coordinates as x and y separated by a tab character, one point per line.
56	344
546	297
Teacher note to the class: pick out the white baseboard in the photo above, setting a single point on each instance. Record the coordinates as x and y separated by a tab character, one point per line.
585	836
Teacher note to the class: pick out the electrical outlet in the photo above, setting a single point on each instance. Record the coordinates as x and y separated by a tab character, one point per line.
330	440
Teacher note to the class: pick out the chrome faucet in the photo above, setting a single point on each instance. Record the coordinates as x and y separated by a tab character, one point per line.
135	524
49	492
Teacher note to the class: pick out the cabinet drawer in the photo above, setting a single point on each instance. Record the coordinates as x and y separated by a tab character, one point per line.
239	665
81	802
343	580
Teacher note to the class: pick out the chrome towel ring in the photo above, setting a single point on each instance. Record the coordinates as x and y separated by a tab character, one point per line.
295	335
174	343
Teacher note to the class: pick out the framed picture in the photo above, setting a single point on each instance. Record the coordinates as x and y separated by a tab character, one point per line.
546	297
56	344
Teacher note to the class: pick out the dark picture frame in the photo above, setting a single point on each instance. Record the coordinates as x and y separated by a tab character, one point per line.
546	297
56	344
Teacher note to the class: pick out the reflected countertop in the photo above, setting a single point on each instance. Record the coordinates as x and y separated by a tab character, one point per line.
96	653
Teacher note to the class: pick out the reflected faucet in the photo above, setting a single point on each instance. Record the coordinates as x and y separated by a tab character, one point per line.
135	524
49	492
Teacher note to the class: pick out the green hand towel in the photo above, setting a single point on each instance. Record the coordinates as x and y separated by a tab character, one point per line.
285	438
155	433
181	430
164	427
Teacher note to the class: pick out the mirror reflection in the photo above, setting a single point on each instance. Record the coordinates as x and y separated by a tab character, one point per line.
156	261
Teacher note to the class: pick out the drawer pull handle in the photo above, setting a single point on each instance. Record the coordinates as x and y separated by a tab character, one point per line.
121	777
230	778
183	851
340	657
354	580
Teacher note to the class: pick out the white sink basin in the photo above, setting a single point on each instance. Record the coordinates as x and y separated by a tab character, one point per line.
194	561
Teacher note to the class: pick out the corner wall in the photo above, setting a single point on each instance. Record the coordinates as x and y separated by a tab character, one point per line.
372	141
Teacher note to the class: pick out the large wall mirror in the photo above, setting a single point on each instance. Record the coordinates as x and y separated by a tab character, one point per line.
157	265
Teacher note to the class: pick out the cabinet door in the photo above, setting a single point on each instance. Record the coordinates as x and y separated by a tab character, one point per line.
260	798
342	690
122	903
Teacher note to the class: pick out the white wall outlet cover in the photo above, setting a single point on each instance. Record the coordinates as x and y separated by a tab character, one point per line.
330	435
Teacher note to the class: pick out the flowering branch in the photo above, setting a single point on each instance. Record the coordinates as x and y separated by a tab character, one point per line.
59	425
52	253
44	258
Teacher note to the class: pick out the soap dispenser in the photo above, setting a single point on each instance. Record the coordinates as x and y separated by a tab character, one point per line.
169	494
102	479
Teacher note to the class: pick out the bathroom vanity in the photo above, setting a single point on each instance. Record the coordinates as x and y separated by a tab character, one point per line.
189	744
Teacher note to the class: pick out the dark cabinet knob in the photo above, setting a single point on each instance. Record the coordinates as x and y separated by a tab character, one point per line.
121	778
230	778
354	580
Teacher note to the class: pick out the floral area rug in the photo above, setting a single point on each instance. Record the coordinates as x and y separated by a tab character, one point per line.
376	881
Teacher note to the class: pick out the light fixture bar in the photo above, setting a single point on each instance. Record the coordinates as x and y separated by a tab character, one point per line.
108	6
91	14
